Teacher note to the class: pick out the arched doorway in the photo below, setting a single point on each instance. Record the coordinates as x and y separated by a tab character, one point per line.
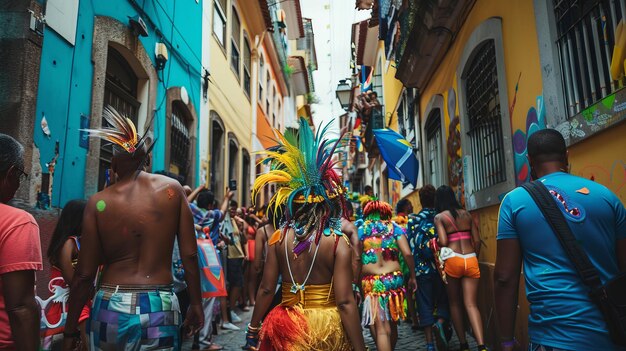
233	161
245	178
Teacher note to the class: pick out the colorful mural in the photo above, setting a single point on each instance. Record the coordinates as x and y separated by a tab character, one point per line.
608	111
455	161
535	120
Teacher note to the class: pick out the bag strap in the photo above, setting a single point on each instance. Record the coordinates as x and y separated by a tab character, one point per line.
554	216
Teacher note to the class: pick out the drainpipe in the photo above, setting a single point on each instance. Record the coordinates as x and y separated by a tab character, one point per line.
254	96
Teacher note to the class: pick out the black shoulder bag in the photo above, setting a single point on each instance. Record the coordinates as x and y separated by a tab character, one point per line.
610	297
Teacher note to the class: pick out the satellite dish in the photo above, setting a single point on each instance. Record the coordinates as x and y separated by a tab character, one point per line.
138	25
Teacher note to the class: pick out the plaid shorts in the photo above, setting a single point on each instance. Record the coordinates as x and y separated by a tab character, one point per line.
135	318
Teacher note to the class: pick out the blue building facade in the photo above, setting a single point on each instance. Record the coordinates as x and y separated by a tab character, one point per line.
111	59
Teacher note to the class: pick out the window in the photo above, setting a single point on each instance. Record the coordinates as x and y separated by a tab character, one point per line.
434	148
180	142
267	92
485	118
219	21
406	114
234	48
120	92
485	165
585	40
233	159
217	155
245	181
377	80
247	64
261	73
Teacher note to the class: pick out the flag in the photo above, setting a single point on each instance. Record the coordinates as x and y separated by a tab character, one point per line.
359	143
366	78
397	152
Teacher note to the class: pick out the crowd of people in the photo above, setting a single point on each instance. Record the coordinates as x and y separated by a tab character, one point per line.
315	271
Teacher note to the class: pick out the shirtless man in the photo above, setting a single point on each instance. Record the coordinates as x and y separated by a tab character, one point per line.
130	228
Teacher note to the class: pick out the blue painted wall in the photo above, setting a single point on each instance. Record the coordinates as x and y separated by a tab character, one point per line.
66	75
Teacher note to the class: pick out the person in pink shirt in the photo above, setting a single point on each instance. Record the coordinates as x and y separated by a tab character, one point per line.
20	256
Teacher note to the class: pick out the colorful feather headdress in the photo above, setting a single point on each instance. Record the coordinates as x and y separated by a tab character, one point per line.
123	132
308	188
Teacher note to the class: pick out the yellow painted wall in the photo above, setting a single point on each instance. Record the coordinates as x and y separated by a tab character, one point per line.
226	95
602	158
521	55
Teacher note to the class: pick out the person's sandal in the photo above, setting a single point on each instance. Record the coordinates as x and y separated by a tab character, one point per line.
214	347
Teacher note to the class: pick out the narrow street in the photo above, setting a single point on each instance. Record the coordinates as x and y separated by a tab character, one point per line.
408	339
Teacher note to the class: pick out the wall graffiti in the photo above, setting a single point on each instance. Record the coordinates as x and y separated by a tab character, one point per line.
535	120
606	112
455	161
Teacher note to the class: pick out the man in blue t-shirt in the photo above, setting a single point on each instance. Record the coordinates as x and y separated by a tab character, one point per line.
562	316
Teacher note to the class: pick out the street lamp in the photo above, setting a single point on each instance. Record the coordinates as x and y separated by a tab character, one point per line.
344	90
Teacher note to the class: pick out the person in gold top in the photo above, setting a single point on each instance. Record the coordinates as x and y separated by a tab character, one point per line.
318	310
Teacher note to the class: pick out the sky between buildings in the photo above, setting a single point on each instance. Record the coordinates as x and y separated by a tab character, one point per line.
332	25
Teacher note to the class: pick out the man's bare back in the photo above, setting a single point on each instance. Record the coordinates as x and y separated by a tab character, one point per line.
137	221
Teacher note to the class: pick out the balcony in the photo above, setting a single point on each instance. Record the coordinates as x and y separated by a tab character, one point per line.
433	27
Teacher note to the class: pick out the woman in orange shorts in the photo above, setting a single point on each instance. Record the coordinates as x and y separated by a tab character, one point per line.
460	242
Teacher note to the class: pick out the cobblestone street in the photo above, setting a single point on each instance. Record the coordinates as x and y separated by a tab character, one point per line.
408	339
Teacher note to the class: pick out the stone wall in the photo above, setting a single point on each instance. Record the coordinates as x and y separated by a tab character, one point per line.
20	55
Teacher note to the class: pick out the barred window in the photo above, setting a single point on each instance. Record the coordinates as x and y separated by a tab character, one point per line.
434	148
485	118
586	34
180	142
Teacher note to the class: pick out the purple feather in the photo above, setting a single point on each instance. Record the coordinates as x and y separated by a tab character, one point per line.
301	247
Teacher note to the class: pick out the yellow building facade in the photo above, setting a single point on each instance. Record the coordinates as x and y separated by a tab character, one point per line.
229	96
